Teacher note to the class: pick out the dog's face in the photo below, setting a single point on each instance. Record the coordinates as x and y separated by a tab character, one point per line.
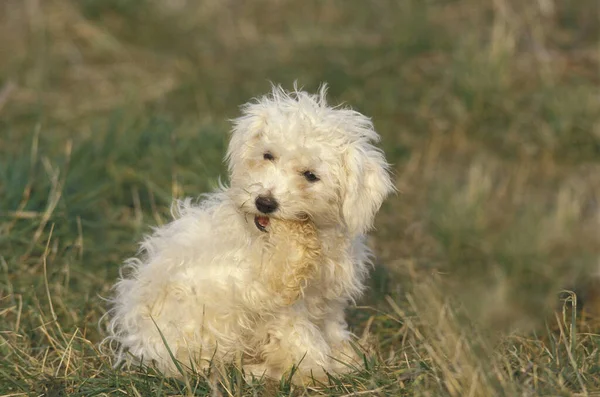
293	157
277	175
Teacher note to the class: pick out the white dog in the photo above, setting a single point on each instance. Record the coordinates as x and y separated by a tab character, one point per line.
262	270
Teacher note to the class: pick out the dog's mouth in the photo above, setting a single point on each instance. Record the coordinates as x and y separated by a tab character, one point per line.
261	222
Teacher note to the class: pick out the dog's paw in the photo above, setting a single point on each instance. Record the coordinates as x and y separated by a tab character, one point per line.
295	235
259	371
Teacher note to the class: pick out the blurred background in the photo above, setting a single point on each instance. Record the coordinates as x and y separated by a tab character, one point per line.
487	258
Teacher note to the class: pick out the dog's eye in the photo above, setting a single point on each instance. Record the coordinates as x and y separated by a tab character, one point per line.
310	176
268	156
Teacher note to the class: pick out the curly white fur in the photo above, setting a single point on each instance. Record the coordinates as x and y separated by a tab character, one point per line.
214	287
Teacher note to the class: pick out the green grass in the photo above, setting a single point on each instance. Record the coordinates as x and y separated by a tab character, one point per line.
489	114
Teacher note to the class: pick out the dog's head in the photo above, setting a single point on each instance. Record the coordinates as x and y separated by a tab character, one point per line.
293	157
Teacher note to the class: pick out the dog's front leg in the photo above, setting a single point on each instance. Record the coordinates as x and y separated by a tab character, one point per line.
344	356
291	259
294	343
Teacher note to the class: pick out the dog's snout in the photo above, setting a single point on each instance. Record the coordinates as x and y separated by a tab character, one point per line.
266	204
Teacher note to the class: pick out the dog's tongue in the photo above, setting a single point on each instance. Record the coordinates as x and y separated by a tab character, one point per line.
262	220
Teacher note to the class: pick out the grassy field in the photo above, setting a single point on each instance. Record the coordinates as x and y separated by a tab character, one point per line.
489	112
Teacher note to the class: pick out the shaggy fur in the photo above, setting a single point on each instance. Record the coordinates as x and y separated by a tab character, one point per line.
220	285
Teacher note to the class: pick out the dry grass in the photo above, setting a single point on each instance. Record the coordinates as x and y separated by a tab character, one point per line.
489	112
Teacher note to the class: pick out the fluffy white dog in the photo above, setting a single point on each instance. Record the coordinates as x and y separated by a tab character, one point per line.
262	270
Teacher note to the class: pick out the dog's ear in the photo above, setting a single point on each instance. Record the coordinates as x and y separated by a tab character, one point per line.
246	131
367	184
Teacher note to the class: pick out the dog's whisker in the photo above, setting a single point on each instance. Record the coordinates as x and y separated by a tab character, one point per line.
244	204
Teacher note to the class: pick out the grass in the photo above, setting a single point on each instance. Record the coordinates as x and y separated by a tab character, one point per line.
489	112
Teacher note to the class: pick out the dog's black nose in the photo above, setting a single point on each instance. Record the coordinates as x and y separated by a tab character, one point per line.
266	204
